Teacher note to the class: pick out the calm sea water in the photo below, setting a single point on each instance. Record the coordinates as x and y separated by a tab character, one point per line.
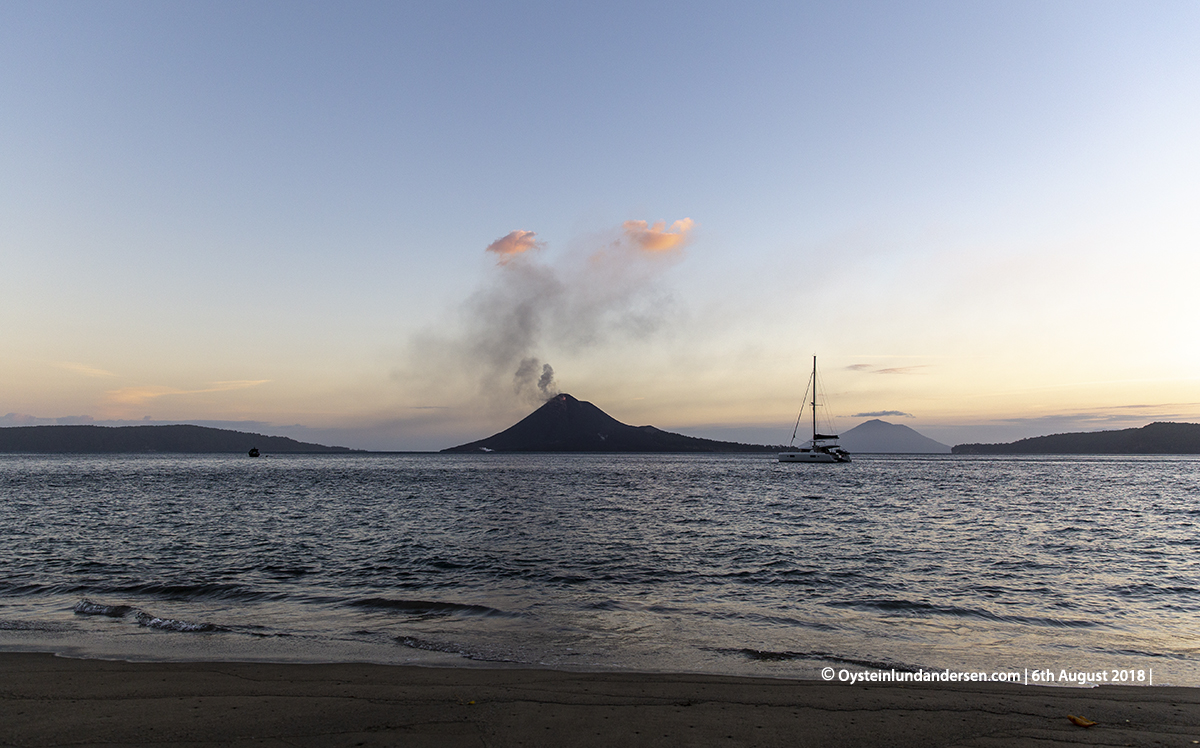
712	563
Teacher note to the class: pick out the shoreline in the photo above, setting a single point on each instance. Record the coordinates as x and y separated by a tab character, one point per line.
51	700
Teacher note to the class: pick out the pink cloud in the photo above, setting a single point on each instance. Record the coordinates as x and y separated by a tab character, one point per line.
513	244
658	238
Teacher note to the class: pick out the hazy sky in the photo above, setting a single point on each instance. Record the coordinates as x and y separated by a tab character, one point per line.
984	218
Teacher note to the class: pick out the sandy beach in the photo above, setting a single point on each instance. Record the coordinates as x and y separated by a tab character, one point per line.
53	701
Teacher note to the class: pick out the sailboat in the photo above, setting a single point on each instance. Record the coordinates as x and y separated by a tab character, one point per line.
822	447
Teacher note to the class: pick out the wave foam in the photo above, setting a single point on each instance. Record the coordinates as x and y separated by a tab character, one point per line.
430	646
170	624
86	607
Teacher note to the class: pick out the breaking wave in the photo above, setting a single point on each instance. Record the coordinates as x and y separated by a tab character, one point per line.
170	624
86	607
413	642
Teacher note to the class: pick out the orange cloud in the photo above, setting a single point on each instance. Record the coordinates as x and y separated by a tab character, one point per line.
512	244
658	238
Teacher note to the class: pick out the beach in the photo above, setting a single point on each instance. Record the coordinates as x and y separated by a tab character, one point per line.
50	701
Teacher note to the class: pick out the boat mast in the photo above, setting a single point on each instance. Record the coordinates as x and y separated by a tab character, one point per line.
814	402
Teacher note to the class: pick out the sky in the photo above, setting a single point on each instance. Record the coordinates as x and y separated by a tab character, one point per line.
399	226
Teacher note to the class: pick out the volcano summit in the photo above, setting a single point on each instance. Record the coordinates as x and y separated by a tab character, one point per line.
564	424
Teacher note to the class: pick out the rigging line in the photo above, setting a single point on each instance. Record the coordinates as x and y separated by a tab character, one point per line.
826	418
801	413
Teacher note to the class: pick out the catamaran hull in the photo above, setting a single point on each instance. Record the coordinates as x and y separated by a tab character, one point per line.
812	457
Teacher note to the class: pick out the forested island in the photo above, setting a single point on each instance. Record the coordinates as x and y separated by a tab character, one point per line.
119	439
1154	439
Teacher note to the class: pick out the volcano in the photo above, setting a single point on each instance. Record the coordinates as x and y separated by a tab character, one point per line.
880	437
564	424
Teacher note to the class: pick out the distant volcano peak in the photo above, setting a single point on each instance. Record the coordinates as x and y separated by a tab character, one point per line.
881	437
565	424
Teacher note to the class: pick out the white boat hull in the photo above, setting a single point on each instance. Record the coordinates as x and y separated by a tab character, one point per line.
810	456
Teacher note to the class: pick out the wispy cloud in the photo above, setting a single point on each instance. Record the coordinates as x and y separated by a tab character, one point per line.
1186	407
139	395
514	244
902	369
882	413
84	369
1119	416
234	384
871	369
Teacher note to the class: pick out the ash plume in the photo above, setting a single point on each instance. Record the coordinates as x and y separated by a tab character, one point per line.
534	381
529	309
546	382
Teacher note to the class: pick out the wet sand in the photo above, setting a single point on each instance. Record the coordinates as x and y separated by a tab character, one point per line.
51	701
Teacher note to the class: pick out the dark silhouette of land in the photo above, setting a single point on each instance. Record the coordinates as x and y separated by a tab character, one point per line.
1154	439
118	439
880	437
564	424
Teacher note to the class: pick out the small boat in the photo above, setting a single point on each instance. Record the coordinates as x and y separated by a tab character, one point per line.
822	447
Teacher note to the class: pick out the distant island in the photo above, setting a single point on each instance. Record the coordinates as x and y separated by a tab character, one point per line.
126	439
1154	439
880	437
564	424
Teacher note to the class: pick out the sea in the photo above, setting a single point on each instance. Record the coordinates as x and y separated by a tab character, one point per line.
1063	567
